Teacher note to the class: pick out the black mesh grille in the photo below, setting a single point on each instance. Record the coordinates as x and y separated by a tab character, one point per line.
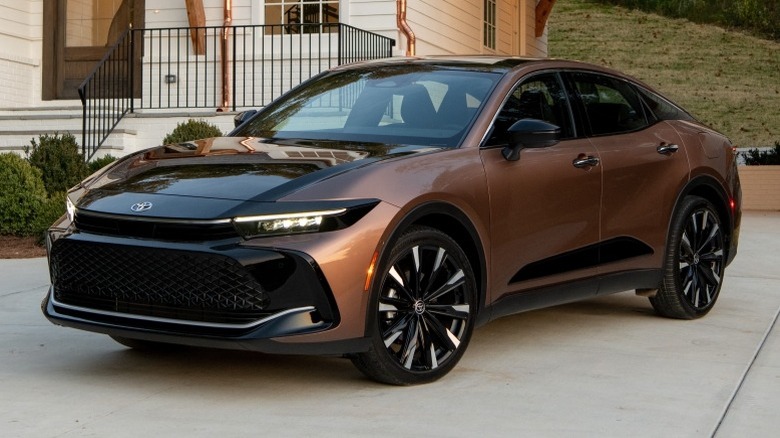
156	282
117	226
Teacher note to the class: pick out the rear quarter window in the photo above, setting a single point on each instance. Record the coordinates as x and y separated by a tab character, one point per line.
661	108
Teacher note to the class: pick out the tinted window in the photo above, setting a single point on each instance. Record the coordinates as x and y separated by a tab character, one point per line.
611	106
540	97
392	105
661	108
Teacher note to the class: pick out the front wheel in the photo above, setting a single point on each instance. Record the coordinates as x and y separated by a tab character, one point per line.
695	261
423	308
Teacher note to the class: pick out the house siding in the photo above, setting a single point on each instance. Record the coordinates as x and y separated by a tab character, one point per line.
166	13
506	23
446	26
455	27
441	27
20	52
376	16
533	46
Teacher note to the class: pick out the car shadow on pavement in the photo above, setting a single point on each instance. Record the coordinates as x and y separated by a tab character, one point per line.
205	370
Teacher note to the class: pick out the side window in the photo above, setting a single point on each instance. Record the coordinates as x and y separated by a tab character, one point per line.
539	97
611	106
661	108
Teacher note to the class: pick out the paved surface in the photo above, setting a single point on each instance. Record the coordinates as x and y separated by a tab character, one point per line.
605	367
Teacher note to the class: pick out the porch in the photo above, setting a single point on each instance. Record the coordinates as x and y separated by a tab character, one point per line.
152	79
227	68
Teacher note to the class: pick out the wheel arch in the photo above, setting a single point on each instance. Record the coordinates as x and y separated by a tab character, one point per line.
452	221
708	188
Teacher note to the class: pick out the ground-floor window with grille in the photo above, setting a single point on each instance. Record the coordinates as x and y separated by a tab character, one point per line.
489	24
302	16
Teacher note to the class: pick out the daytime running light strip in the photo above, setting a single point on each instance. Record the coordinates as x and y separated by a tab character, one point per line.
272	217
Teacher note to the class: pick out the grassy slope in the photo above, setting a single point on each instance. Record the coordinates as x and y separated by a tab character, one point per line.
728	80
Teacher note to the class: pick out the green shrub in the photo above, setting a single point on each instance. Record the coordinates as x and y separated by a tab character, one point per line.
759	16
192	130
100	163
52	208
22	198
755	157
58	158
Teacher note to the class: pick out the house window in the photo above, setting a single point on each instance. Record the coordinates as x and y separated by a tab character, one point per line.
489	24
300	16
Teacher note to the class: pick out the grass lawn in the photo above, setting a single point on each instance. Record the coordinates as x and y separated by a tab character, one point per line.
727	79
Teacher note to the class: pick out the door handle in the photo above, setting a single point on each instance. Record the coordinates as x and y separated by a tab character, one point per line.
667	149
581	162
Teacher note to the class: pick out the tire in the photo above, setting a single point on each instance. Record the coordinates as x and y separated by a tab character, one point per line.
695	261
422	310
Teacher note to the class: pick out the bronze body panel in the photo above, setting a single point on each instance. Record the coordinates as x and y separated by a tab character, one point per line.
368	229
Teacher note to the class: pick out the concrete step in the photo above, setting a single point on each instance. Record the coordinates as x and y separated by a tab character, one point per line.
64	108
136	131
117	144
19	125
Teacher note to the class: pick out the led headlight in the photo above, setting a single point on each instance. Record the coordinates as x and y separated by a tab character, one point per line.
318	217
291	223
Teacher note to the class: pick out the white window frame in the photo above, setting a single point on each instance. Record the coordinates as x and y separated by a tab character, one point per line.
489	24
258	12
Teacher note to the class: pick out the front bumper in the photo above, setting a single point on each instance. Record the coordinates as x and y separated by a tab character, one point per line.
262	336
212	294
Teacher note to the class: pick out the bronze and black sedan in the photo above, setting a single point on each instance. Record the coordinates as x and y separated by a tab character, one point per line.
384	210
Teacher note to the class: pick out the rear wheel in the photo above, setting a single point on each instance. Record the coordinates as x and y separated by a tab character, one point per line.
424	309
695	261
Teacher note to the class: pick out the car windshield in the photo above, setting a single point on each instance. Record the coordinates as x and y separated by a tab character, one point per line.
416	105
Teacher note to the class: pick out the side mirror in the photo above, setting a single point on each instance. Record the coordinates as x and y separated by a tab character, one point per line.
242	117
530	133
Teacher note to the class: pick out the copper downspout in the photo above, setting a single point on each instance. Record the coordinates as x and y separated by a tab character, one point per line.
403	26
225	56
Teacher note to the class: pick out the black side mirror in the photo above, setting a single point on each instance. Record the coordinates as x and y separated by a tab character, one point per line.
242	117
530	133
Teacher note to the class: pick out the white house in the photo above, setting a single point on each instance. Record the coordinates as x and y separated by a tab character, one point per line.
209	58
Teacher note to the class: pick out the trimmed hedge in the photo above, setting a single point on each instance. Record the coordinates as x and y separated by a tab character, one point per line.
23	197
192	130
99	163
755	157
51	210
58	158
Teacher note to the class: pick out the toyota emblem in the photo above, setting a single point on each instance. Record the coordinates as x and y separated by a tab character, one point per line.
141	206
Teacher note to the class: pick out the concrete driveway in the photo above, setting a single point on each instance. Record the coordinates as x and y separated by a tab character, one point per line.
604	367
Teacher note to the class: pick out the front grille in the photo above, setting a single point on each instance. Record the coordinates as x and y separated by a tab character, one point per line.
156	282
120	226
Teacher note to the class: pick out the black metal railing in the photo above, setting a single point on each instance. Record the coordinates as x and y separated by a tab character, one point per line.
186	67
107	94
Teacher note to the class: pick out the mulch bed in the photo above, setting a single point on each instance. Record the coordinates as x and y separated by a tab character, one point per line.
12	247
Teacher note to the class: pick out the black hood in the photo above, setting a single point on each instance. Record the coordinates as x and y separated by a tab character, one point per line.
223	172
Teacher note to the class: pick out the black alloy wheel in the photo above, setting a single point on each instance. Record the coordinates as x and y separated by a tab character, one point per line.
423	308
695	262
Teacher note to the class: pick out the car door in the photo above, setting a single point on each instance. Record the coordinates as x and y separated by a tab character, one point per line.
644	167
544	207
